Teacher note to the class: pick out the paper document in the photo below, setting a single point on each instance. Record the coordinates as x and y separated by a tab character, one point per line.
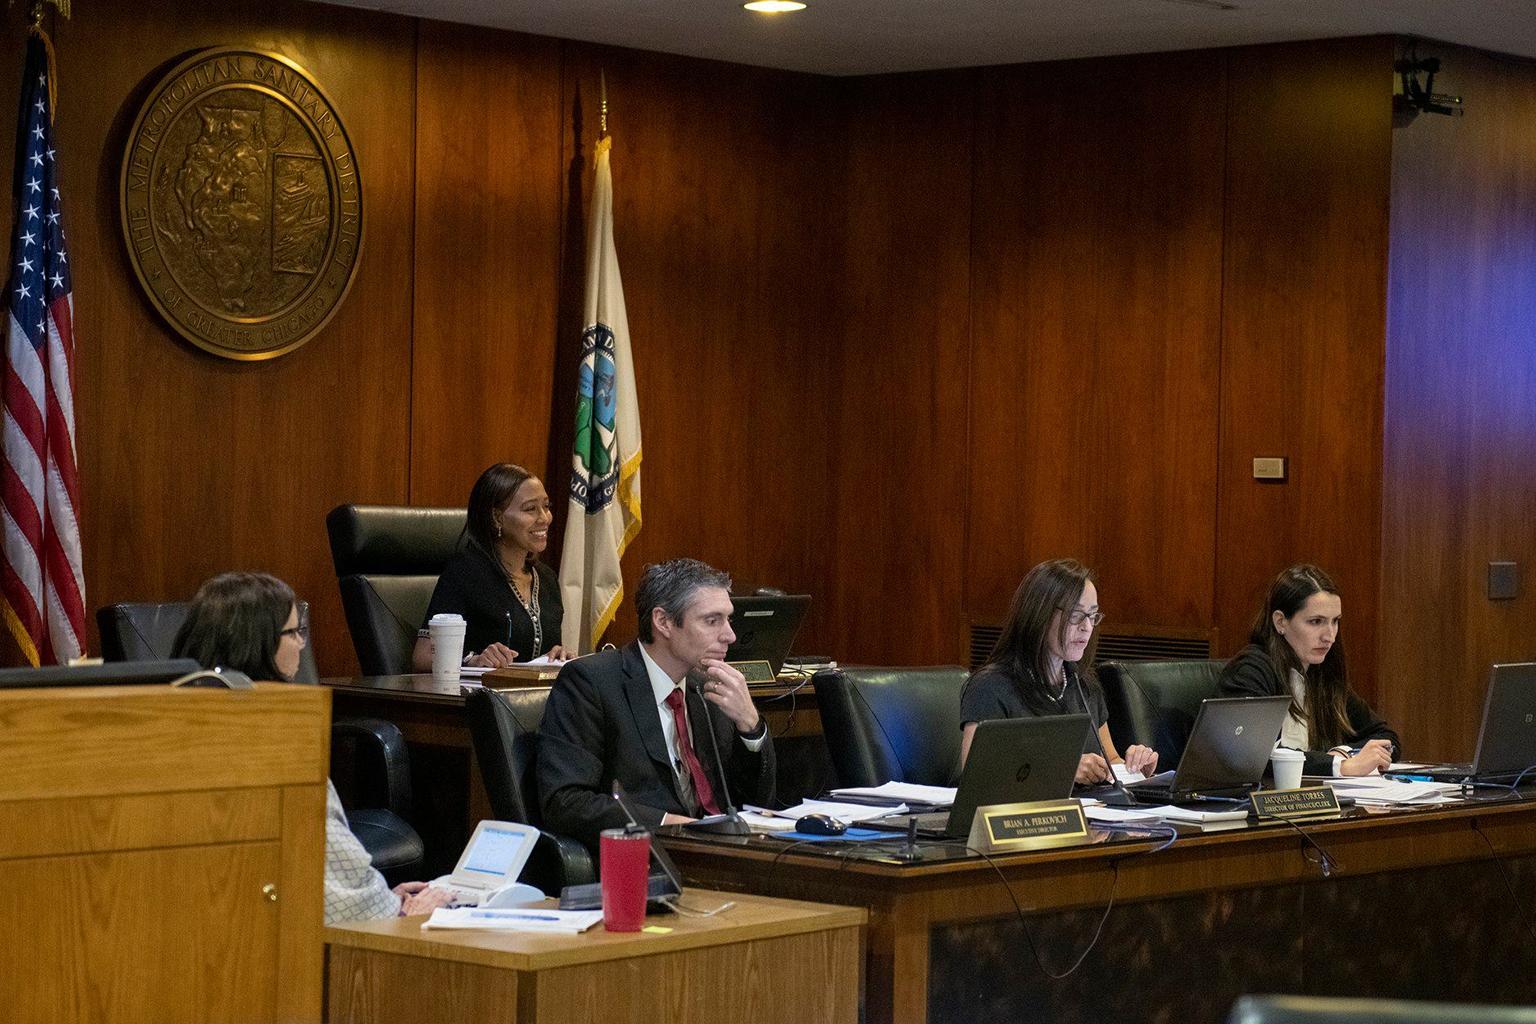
903	792
1169	812
1121	815
784	821
1124	774
1373	789
566	922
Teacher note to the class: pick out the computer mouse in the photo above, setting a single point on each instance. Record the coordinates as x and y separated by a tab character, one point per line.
820	825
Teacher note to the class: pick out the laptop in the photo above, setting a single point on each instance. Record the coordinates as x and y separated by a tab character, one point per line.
490	863
111	673
1226	753
1506	742
1012	761
765	625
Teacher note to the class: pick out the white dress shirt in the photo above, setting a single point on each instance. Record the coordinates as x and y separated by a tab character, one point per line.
662	686
1295	734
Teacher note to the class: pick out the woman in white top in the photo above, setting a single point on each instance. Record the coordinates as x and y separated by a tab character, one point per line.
249	621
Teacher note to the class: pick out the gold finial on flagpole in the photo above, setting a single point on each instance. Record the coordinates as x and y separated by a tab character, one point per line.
39	6
602	119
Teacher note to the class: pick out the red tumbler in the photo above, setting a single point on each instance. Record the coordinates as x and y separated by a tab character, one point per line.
624	860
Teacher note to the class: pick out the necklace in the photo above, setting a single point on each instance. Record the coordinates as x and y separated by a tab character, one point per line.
531	606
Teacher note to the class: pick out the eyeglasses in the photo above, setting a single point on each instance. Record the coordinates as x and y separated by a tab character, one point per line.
299	632
1078	618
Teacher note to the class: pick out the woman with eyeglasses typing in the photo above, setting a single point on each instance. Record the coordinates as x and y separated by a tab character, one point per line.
1043	665
509	599
1295	650
249	621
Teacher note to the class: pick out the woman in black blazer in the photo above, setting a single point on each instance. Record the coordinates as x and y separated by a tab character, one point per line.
509	599
1295	650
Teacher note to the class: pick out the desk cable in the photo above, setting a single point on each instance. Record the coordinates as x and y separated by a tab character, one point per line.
1098	931
1525	916
1167	832
789	694
1513	788
1324	860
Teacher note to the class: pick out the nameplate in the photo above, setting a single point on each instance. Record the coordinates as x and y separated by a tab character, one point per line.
1028	826
1294	803
516	676
756	673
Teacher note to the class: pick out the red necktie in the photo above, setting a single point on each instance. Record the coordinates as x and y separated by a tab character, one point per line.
701	787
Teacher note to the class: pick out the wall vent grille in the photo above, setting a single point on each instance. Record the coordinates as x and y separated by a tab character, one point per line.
1139	646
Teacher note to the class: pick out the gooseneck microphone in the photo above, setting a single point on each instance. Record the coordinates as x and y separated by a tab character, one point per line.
729	823
1119	796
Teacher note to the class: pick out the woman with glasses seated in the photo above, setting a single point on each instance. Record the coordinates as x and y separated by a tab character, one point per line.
1042	666
1295	650
249	621
509	599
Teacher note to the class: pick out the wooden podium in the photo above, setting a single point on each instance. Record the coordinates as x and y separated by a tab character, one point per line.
162	853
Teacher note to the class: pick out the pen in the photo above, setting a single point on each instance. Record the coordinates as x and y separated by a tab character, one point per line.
513	915
1400	777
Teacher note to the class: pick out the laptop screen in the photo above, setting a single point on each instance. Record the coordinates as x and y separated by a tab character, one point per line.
765	625
1506	743
496	854
492	853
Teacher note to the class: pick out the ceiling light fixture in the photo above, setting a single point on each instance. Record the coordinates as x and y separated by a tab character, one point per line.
1211	5
774	6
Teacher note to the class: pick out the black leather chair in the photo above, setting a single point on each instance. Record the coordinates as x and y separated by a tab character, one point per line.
884	724
504	727
369	762
1318	1010
387	559
1155	702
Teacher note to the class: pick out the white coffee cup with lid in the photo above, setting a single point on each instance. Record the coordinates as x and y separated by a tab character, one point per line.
447	632
1287	764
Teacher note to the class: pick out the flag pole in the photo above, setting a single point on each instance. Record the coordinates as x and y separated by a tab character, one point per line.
38	6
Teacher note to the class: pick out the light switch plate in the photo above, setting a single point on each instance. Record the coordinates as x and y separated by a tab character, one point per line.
1269	468
1503	581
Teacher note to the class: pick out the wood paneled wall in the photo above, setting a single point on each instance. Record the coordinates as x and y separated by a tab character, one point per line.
456	346
898	427
1304	328
897	337
1095	304
722	205
488	136
1460	467
192	465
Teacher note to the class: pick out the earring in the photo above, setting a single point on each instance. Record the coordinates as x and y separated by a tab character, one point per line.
498	529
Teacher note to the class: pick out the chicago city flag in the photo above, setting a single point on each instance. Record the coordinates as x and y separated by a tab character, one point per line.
605	467
42	588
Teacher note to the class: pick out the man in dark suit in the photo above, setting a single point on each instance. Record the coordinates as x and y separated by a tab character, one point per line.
644	715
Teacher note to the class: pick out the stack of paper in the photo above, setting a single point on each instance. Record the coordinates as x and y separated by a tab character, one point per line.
564	922
1120	815
902	792
1374	789
784	821
1169	812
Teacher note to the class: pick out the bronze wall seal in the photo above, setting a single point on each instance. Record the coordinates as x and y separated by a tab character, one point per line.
241	203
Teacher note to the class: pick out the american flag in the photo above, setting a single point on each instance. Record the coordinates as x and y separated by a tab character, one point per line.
42	588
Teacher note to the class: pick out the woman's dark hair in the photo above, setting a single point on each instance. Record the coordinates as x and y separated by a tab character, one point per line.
235	622
492	491
1326	713
1022	651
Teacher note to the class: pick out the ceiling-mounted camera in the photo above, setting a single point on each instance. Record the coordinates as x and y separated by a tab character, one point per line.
1417	95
